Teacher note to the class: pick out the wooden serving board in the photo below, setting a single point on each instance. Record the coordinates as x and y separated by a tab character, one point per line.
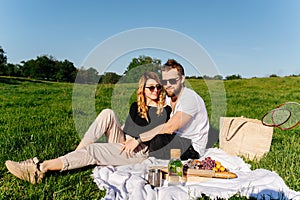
198	175
210	173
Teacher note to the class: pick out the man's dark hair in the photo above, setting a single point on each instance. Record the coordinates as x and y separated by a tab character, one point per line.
173	64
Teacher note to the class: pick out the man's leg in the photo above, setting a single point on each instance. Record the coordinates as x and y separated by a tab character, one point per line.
161	145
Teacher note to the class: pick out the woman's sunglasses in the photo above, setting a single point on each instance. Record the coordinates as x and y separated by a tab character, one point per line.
152	88
172	81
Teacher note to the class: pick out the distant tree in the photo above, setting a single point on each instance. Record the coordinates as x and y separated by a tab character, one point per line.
87	76
141	60
45	67
110	77
11	70
26	68
233	77
41	68
218	77
48	68
3	61
139	66
207	77
65	71
191	77
273	75
92	75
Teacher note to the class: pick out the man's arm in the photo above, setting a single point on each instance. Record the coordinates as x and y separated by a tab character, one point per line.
178	120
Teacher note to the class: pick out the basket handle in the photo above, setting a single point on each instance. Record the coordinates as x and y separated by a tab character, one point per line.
235	131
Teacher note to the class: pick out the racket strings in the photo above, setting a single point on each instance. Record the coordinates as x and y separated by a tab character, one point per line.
276	117
285	116
294	119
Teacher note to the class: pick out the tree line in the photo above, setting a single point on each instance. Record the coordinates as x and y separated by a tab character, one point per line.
46	67
43	67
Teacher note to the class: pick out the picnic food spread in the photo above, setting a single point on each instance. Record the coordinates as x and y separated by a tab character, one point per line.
199	170
207	168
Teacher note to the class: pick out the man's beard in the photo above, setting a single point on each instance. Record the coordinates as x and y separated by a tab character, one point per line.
170	94
175	92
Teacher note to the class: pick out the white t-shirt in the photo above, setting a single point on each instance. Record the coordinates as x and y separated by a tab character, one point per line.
197	128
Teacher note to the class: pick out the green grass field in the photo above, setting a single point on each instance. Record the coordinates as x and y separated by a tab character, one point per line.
36	119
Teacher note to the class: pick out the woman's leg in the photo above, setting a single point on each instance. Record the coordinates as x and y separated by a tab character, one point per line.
51	165
101	154
106	123
94	154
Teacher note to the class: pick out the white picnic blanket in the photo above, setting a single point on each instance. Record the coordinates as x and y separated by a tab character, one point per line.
130	182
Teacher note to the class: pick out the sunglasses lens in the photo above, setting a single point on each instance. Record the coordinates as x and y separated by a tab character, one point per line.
151	88
172	81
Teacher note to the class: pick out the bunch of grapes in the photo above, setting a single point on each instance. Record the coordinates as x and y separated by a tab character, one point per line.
208	163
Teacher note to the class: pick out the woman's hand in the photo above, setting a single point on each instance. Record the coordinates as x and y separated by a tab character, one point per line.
129	146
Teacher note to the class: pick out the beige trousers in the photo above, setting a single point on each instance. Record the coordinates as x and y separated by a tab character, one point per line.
103	153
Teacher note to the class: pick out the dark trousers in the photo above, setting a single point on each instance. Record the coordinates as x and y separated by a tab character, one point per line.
160	146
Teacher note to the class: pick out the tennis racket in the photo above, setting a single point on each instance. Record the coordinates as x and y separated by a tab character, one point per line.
276	117
286	116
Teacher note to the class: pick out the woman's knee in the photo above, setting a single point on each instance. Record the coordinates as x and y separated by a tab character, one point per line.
107	111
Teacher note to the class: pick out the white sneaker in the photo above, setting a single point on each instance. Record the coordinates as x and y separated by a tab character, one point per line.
26	170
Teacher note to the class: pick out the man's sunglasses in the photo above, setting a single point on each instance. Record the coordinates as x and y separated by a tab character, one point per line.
152	88
172	81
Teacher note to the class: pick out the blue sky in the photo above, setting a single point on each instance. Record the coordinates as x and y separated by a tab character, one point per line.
252	38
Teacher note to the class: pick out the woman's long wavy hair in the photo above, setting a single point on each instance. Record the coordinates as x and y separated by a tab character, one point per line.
141	99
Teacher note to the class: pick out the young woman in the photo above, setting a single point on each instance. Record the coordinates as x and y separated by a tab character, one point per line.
123	146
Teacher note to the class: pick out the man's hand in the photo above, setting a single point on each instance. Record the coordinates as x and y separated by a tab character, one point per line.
178	120
129	146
